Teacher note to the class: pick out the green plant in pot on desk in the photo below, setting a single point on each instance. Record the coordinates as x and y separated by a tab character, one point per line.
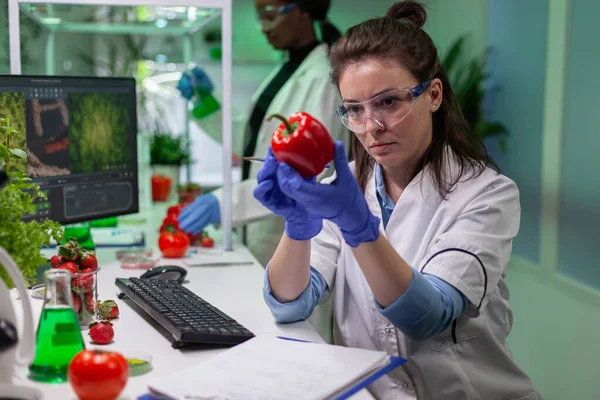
23	239
167	155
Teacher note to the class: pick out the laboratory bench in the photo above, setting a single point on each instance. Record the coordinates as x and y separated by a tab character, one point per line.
234	289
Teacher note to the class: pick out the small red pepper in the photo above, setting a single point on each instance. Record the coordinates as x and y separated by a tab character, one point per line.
302	142
161	186
175	209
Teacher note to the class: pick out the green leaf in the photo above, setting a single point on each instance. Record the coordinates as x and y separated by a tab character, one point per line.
22	240
19	153
4	153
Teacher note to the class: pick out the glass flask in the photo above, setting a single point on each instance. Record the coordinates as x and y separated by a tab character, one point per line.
58	337
84	289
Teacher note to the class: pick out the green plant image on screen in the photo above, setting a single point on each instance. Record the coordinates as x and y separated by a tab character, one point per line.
12	106
99	129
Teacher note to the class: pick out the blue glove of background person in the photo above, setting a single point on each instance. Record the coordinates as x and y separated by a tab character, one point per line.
196	78
341	202
203	211
300	224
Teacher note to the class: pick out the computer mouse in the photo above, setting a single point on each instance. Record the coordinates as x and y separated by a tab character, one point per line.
166	272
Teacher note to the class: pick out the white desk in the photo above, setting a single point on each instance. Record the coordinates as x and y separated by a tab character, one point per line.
236	290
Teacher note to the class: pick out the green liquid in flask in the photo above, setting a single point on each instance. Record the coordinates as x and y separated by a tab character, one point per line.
58	341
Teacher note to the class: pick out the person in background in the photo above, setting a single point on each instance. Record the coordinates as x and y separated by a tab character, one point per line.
300	83
412	239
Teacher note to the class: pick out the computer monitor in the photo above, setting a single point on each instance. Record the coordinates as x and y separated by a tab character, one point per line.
80	139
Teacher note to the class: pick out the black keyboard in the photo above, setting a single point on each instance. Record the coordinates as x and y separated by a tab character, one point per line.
187	317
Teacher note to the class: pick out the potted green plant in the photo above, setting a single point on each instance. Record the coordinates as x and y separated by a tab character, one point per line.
22	239
468	77
167	154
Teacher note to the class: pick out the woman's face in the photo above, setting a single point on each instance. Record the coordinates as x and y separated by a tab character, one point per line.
393	142
281	29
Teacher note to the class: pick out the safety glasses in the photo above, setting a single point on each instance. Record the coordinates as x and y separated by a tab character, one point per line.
387	109
269	17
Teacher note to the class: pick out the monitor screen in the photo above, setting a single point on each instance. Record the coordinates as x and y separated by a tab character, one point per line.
80	139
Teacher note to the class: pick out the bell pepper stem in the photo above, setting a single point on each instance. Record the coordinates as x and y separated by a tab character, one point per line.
288	127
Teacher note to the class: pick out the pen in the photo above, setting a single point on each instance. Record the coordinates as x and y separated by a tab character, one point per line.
261	160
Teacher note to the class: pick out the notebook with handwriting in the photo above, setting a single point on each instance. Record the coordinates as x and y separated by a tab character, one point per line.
270	367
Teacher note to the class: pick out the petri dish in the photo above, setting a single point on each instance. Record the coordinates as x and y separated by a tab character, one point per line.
133	251
139	363
138	262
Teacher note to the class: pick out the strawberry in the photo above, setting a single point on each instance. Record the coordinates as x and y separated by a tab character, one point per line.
207	241
89	302
83	283
76	302
69	266
101	332
89	261
70	251
109	309
56	260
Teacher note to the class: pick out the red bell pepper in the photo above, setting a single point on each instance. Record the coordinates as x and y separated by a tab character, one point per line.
302	142
161	186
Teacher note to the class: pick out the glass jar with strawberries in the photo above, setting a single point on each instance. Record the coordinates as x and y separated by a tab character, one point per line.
83	266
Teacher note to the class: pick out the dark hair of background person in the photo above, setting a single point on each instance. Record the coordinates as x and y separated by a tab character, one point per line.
398	36
318	10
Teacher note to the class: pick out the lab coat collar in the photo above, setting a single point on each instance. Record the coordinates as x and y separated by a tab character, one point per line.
317	58
421	185
299	54
315	61
386	200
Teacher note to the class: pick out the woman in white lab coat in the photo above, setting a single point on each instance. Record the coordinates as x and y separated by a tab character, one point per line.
300	83
412	239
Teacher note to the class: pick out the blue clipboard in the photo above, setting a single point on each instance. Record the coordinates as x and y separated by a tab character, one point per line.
395	362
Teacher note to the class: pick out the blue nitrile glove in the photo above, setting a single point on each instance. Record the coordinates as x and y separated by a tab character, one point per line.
194	80
300	224
185	86
203	211
341	202
201	80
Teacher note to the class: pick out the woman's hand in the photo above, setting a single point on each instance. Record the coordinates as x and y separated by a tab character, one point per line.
300	224
341	202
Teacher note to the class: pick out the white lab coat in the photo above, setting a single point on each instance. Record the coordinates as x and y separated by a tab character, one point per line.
309	89
465	240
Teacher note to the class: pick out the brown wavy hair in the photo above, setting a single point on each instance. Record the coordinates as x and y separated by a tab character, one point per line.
398	36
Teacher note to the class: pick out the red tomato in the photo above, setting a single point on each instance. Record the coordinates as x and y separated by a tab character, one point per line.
207	242
98	375
161	186
173	245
